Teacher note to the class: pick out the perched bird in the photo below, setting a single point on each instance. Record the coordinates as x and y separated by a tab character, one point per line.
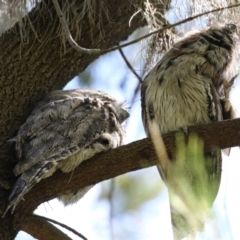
64	129
185	88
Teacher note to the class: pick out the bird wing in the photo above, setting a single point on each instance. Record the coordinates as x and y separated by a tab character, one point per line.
60	128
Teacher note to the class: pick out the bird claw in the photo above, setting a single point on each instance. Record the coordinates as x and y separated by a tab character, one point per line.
185	130
228	111
228	86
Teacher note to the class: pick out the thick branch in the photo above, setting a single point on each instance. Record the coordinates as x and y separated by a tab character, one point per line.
131	157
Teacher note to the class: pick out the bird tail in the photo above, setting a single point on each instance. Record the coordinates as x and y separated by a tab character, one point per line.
185	225
18	191
27	180
193	184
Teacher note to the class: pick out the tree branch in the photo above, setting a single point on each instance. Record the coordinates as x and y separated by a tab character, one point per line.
42	229
131	157
35	225
130	66
68	34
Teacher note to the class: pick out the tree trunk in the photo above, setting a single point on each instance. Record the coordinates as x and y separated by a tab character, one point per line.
40	60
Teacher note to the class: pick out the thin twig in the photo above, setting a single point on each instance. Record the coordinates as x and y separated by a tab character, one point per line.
60	224
131	18
130	66
137	89
100	51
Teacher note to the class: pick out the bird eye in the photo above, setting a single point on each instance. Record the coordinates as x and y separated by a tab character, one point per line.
232	28
103	140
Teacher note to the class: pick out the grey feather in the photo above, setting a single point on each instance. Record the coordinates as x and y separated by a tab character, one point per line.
63	130
185	88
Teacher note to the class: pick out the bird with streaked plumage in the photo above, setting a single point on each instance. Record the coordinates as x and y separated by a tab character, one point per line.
64	129
188	87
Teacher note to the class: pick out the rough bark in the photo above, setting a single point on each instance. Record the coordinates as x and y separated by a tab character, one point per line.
36	63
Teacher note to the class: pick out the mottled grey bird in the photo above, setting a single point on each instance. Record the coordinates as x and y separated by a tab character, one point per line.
63	130
185	88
